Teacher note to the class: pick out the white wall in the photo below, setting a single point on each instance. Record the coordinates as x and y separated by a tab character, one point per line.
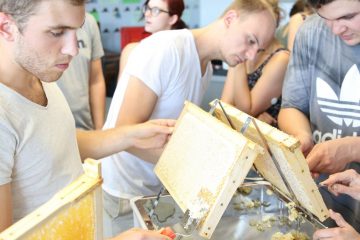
286	6
211	10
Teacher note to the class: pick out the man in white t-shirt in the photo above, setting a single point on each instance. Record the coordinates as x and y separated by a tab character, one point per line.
162	72
39	146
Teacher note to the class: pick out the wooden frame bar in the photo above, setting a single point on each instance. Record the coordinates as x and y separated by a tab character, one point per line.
203	164
286	150
73	213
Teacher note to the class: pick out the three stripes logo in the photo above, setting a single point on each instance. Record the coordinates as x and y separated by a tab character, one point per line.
343	109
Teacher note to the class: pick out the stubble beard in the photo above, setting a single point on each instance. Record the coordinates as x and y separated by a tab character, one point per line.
33	62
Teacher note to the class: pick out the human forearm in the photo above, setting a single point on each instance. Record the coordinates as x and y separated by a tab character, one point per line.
5	206
228	92
236	90
354	150
294	122
242	94
242	99
148	155
97	105
97	94
98	144
267	89
227	95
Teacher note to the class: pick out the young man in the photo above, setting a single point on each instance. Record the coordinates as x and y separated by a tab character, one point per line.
166	69
83	83
39	146
321	94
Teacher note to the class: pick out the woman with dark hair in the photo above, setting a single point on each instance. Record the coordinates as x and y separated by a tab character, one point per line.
159	15
174	8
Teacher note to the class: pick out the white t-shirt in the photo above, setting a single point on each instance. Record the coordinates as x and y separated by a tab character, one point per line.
168	63
38	148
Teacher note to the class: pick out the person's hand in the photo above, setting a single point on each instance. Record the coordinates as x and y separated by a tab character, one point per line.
140	234
343	232
347	182
151	134
330	156
266	117
306	143
168	232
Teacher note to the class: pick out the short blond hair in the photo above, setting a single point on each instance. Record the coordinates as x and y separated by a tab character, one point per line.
251	6
275	9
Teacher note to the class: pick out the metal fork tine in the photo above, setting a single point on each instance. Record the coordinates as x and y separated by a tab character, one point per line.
156	202
212	109
227	116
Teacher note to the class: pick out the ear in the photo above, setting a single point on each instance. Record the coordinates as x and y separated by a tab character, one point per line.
173	19
7	25
230	16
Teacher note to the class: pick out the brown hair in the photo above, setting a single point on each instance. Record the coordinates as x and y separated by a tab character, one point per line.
318	3
21	10
300	6
176	7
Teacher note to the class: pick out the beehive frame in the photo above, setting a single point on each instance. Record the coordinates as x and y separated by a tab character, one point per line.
73	213
205	161
286	150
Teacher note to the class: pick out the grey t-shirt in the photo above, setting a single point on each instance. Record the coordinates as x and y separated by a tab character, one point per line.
323	82
74	83
38	148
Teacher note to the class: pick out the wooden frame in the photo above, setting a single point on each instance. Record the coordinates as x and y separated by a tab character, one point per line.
73	213
286	150
203	164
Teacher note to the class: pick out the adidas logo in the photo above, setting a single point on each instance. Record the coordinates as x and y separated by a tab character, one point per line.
319	136
344	109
